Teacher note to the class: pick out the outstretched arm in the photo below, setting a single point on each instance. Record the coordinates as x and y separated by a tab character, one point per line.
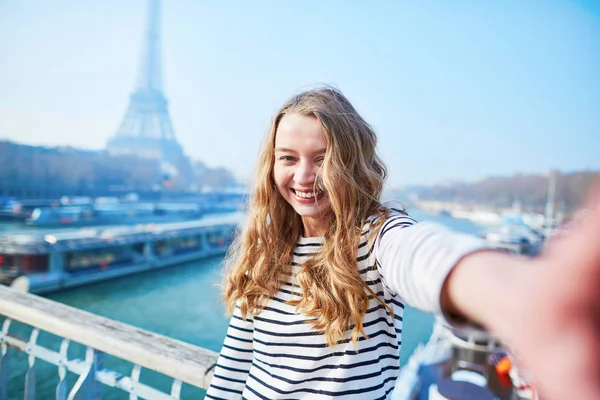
547	310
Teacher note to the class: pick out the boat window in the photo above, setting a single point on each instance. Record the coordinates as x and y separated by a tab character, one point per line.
219	238
175	246
103	258
24	264
138	248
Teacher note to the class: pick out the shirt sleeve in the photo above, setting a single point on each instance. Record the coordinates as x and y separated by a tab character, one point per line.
414	259
235	360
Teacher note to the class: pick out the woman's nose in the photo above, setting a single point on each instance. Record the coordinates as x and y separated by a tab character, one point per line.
305	173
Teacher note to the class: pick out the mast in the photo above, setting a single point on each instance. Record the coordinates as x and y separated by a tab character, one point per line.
549	216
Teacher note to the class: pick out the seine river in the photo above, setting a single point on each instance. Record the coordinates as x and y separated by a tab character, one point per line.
182	302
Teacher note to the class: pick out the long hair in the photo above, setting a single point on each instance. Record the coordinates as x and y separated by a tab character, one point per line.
352	175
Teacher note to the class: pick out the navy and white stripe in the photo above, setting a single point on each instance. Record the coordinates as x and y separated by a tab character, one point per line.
278	355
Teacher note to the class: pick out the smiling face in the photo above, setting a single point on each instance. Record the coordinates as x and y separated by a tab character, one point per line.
299	153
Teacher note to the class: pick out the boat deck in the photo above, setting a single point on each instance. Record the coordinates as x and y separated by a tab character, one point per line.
464	359
71	239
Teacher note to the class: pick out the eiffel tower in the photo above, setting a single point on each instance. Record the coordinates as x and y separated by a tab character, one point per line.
146	130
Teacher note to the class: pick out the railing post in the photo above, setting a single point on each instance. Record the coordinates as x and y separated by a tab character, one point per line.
31	375
4	360
61	388
135	377
87	387
176	389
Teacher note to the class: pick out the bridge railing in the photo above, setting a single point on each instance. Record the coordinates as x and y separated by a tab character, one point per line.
144	349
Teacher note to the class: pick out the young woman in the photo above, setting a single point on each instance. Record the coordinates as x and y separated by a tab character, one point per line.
319	276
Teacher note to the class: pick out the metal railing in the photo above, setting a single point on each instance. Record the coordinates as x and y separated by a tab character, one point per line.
183	362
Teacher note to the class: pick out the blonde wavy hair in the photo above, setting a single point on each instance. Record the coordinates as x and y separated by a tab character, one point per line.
352	175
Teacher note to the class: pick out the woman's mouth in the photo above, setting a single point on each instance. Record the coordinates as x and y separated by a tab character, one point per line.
307	196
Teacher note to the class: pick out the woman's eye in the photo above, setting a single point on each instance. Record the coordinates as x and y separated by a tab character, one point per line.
320	160
286	158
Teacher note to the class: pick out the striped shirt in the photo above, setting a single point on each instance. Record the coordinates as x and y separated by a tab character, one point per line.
278	355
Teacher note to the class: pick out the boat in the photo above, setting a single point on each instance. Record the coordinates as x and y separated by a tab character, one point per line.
517	234
78	211
11	210
49	261
478	217
460	366
114	213
514	235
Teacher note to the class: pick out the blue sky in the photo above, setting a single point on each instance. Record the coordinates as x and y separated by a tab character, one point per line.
456	90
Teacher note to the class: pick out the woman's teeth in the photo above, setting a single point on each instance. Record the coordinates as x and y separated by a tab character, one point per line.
306	195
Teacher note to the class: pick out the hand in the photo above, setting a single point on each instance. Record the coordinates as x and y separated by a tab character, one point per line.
555	333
